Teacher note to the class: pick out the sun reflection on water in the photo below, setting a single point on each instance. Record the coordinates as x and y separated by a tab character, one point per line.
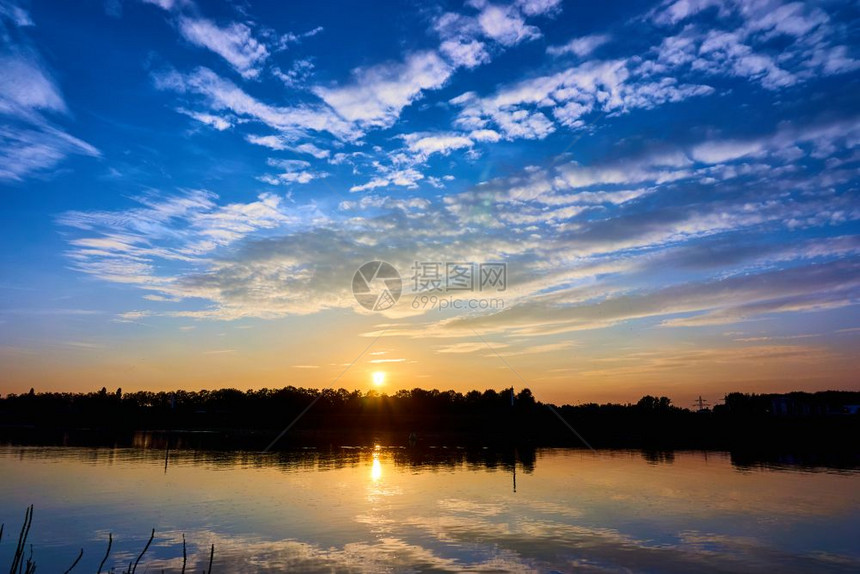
376	468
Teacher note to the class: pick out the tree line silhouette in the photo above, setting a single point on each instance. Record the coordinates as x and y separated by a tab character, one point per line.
248	418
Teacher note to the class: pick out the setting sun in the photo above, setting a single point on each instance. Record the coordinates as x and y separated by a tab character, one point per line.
378	378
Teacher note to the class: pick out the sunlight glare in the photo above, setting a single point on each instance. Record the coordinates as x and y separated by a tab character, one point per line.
376	469
378	378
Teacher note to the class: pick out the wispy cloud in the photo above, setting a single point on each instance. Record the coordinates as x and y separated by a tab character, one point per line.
465	34
224	97
280	143
524	110
31	105
664	230
166	4
423	145
293	171
377	95
581	47
391	177
33	148
578	239
807	36
235	43
469	347
505	25
296	75
220	123
372	99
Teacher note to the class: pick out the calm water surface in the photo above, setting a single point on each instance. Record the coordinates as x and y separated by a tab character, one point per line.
392	509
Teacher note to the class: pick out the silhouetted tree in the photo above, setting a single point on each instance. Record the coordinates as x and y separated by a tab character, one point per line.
525	398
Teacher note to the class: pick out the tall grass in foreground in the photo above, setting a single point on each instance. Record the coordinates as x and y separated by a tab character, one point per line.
28	566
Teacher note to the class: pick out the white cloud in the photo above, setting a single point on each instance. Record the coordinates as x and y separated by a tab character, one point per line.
223	95
262	258
774	43
218	122
164	4
505	25
235	43
485	136
580	47
378	94
469	40
385	202
792	19
272	142
408	178
27	86
465	53
290	164
280	143
451	25
575	237
565	195
402	167
539	7
25	151
133	246
426	144
625	173
518	109
717	302
726	53
722	151
292	38
825	139
311	149
674	11
295	171
297	75
31	140
17	15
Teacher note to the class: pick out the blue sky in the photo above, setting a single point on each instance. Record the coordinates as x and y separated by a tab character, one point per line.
188	188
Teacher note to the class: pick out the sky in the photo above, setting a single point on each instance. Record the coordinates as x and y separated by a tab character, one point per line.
669	191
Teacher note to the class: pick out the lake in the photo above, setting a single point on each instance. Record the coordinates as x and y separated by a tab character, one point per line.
377	509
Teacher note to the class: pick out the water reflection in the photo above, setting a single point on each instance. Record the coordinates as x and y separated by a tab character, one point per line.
237	446
446	509
376	467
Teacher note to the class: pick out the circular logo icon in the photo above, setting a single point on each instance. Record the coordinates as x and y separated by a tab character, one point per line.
377	285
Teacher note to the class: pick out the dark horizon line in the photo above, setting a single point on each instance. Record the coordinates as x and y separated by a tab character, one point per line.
405	393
